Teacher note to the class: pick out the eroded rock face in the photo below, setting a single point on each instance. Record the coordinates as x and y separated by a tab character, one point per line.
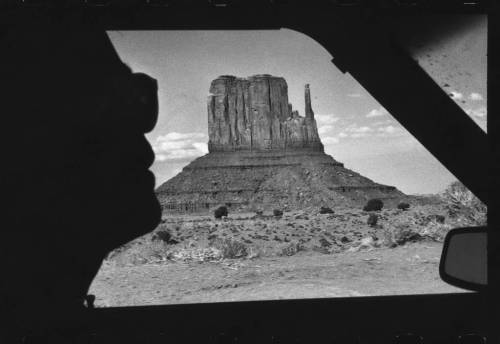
254	114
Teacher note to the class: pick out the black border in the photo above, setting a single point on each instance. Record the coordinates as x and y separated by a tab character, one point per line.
125	318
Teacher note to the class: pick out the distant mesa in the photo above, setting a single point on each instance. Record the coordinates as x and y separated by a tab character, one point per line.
264	155
254	114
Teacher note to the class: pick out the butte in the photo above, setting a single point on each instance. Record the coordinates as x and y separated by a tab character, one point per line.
263	155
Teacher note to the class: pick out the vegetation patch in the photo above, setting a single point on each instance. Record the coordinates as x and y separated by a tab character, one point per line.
374	204
220	212
230	248
403	206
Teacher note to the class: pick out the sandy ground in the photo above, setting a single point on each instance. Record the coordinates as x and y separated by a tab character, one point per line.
408	269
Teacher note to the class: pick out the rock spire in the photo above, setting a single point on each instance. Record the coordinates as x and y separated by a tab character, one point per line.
307	94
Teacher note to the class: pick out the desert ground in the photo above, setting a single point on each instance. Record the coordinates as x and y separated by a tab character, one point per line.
261	256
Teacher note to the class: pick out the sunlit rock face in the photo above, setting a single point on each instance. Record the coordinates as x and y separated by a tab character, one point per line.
254	114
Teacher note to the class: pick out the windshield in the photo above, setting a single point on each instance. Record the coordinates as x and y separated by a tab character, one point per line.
280	177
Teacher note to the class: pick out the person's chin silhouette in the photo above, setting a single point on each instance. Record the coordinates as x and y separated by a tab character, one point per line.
75	181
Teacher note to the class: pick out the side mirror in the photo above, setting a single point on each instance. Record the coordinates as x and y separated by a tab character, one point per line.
464	259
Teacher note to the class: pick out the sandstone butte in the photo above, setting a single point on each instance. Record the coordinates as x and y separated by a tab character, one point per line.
263	155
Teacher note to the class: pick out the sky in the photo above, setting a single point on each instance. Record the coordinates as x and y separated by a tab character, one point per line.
354	128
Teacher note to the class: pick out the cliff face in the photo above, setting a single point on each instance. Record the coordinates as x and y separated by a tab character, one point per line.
254	114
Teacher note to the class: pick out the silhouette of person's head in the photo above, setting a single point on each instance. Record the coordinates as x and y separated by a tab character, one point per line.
74	176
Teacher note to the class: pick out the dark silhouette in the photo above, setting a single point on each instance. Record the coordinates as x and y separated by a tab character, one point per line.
374	204
74	176
220	212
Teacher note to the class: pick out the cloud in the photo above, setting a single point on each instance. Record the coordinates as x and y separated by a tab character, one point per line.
173	136
201	146
356	132
456	95
354	95
324	129
326	119
179	146
359	130
389	130
377	112
383	122
330	140
478	113
475	96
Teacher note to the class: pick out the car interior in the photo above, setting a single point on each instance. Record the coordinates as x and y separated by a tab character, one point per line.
372	42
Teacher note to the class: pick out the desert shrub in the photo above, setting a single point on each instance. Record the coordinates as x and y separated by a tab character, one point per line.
139	253
290	249
220	212
321	249
403	206
435	231
165	236
366	243
436	218
259	212
196	254
278	212
401	234
326	210
374	204
462	203
231	248
405	233
253	252
324	243
345	240
372	220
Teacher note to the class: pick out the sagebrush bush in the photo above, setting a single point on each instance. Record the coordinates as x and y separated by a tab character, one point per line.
436	218
374	204
231	248
462	203
220	212
372	220
326	210
278	212
404	206
406	233
165	236
435	231
400	234
290	249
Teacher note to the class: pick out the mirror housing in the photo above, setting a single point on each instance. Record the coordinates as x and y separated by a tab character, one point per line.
464	258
